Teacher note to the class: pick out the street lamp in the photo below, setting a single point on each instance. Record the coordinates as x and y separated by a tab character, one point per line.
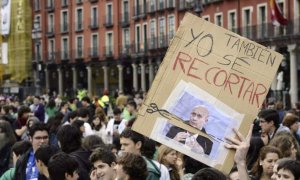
198	7
36	36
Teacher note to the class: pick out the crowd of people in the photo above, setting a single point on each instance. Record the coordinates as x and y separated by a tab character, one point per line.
82	138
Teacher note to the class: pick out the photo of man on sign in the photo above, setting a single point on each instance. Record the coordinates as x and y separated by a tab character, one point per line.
200	144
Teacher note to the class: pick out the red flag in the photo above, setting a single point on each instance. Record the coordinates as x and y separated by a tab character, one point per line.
276	15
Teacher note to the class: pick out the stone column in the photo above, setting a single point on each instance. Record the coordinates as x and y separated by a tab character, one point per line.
293	74
105	75
151	73
74	72
135	78
143	77
60	82
47	80
120	68
89	82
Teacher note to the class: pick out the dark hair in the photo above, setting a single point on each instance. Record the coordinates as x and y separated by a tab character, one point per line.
37	127
6	128
6	108
61	163
72	115
104	155
53	124
23	110
291	165
148	148
86	98
91	142
83	112
51	104
257	169
132	103
209	174
44	153
20	147
134	136
69	138
134	166
117	111
191	165
270	115
99	126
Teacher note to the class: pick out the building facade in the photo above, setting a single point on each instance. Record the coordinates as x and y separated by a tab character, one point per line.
119	44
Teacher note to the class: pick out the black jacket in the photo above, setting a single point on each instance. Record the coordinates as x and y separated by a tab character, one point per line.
205	143
82	158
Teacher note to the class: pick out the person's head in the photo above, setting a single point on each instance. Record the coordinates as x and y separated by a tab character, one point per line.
85	101
51	104
148	148
117	114
64	105
91	142
198	117
289	170
19	148
69	138
24	112
103	161
268	120
31	121
131	106
191	165
38	135
267	158
7	135
166	155
79	125
286	143
83	113
36	100
42	156
292	122
62	166
72	116
209	174
279	105
131	166
131	141
278	162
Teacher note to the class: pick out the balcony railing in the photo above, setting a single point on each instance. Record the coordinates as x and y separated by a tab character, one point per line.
79	26
170	4
125	19
140	11
125	50
51	56
79	53
93	1
108	51
64	55
94	23
64	28
161	6
50	32
94	52
151	9
50	6
109	21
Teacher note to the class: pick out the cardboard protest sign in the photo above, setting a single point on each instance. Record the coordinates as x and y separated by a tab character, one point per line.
210	81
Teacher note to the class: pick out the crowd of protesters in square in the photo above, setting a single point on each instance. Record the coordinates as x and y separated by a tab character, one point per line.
48	137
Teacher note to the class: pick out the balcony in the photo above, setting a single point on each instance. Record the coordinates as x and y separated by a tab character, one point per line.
50	7
64	55
108	21
152	43
140	12
183	5
64	4
108	52
51	56
78	53
125	20
93	1
267	33
170	4
94	24
64	28
79	27
161	6
163	41
152	9
79	2
50	32
94	52
139	49
125	50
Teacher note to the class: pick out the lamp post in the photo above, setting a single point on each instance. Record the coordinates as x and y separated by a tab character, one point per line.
36	36
198	7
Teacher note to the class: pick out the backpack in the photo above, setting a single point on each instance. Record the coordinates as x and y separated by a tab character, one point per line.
153	170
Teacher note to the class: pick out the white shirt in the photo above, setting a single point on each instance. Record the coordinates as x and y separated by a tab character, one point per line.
110	126
164	173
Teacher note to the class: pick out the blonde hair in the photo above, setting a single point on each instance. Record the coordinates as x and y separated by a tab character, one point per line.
164	150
